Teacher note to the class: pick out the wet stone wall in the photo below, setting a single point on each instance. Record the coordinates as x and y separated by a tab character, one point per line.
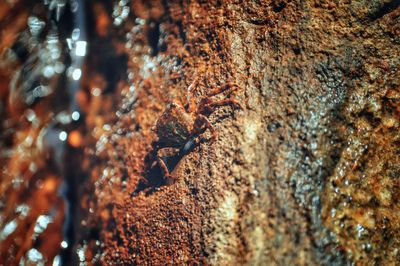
298	161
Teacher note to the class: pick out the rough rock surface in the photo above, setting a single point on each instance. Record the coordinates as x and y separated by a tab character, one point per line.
307	173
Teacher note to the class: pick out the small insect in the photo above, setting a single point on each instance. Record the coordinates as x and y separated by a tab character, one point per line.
178	128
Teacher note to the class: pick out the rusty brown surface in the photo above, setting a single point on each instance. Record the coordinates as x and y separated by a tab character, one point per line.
310	73
306	174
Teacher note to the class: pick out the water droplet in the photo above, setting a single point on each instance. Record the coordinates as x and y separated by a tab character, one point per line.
360	230
35	256
314	145
17	181
96	92
75	34
81	253
80	48
76	74
32	167
63	136
64	244
30	115
9	228
35	25
120	12
41	223
48	71
59	67
63	117
367	247
57	261
75	116
28	141
140	21
69	43
23	210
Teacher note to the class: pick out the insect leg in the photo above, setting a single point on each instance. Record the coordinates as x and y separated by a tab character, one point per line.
223	88
201	124
163	166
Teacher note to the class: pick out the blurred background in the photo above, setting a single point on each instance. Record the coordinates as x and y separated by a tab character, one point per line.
49	89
